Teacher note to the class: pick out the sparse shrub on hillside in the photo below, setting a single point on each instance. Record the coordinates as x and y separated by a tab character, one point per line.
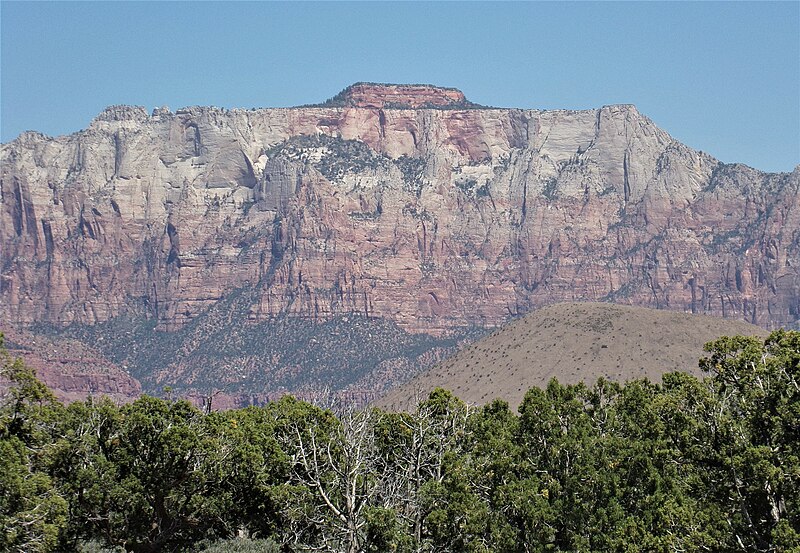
339	352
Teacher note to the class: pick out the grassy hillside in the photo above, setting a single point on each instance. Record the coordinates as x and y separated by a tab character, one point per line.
573	342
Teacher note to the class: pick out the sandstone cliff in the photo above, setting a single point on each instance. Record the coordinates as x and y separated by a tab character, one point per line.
382	206
70	369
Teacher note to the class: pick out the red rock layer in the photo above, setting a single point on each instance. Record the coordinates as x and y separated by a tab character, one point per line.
70	369
445	218
367	95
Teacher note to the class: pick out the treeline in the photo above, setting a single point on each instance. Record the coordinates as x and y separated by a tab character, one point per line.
686	465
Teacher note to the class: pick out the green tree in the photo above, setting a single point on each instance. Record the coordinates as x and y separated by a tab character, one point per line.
157	464
81	466
755	433
252	466
32	511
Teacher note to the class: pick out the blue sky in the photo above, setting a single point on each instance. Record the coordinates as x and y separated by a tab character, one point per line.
723	77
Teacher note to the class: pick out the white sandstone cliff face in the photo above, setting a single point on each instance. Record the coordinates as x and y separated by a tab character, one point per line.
434	218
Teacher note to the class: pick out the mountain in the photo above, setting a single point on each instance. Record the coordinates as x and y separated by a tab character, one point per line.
70	368
574	342
406	207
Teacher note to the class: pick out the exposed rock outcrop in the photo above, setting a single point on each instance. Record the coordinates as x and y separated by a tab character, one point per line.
432	218
415	96
70	369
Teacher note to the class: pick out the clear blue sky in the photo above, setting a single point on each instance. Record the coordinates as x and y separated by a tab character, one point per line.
722	77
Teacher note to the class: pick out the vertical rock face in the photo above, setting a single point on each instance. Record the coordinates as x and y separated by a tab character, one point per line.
432	218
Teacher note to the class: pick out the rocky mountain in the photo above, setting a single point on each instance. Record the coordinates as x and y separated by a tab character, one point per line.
573	342
402	205
70	368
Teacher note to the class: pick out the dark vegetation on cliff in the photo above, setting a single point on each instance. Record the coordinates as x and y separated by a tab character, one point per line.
684	465
340	158
352	356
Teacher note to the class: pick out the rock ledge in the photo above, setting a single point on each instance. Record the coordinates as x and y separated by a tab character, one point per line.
407	96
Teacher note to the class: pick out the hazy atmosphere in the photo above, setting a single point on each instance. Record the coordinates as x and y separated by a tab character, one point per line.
721	77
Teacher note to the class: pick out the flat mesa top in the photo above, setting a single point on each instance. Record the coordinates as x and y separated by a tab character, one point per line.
410	96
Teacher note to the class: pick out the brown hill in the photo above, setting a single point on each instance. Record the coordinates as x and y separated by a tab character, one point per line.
573	342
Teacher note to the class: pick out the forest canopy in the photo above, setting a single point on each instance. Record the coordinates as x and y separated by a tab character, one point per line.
681	465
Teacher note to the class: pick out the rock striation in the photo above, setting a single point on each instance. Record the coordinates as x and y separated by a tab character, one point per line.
406	203
72	370
373	95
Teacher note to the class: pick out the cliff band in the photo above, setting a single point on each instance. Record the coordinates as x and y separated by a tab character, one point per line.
406	203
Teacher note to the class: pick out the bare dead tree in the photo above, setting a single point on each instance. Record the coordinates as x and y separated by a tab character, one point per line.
338	466
431	431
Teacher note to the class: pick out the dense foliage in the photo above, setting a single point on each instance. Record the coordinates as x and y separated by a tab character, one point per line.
685	465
